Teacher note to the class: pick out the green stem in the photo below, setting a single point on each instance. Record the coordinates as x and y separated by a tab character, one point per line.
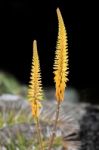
55	126
39	134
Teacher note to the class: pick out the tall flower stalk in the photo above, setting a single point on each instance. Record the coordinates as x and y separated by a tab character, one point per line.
60	69
35	92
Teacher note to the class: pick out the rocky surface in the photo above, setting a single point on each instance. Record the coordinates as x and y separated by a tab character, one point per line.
72	124
89	129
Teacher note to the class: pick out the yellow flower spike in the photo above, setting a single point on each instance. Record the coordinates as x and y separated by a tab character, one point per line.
61	59
60	70
35	92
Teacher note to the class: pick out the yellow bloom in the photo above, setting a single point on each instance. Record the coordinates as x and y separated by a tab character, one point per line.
36	106
35	92
61	59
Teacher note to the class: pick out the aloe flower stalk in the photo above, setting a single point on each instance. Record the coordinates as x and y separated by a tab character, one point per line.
35	92
60	69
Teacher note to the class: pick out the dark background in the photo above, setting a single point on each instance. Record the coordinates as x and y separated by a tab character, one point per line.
23	21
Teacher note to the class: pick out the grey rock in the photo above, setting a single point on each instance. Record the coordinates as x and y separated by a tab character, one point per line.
68	126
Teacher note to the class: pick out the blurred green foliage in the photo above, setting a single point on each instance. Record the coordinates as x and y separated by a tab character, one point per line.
9	84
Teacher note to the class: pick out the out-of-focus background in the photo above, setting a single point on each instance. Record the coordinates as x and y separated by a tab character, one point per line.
23	21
